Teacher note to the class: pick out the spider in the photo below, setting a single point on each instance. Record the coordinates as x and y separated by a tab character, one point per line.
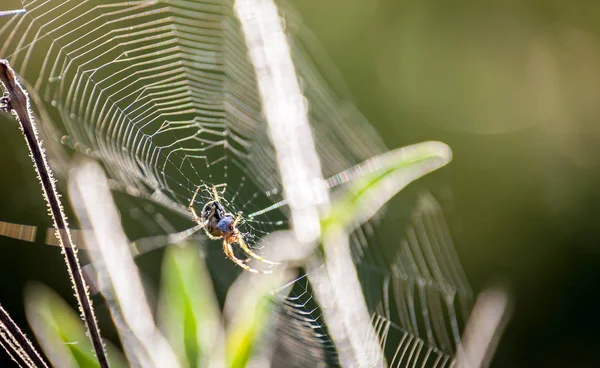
218	223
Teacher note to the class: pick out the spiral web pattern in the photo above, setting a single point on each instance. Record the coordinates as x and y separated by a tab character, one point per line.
163	94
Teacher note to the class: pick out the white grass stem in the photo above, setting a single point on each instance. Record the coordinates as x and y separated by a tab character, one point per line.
286	109
484	327
119	279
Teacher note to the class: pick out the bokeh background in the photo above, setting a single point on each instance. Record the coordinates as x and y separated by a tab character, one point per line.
513	88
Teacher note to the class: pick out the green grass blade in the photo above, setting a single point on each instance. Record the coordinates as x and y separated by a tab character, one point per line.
60	332
244	337
250	310
381	178
189	315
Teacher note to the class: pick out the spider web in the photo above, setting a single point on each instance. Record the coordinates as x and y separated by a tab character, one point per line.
163	94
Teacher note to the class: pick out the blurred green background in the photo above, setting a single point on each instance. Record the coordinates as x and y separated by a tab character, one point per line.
514	89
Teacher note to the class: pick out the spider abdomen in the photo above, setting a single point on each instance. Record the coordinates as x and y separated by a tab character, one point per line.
212	214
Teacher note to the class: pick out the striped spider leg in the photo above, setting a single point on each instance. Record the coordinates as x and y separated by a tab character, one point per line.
218	223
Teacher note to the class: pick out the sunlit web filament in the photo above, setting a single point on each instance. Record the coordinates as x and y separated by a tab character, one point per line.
12	12
268	209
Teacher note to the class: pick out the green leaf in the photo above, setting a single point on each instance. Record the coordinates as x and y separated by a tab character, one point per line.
381	178
60	331
189	315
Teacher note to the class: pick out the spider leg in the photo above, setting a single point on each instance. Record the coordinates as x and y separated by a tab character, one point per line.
229	253
237	219
240	240
195	216
216	193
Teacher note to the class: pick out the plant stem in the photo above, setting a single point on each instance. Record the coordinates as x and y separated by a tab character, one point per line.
23	352
13	353
18	102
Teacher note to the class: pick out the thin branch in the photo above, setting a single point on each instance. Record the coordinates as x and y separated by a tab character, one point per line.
13	352
18	346
17	101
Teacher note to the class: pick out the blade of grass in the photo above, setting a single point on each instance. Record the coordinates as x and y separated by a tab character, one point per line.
60	332
18	103
286	113
377	180
189	314
246	334
249	310
297	159
488	319
119	278
386	175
